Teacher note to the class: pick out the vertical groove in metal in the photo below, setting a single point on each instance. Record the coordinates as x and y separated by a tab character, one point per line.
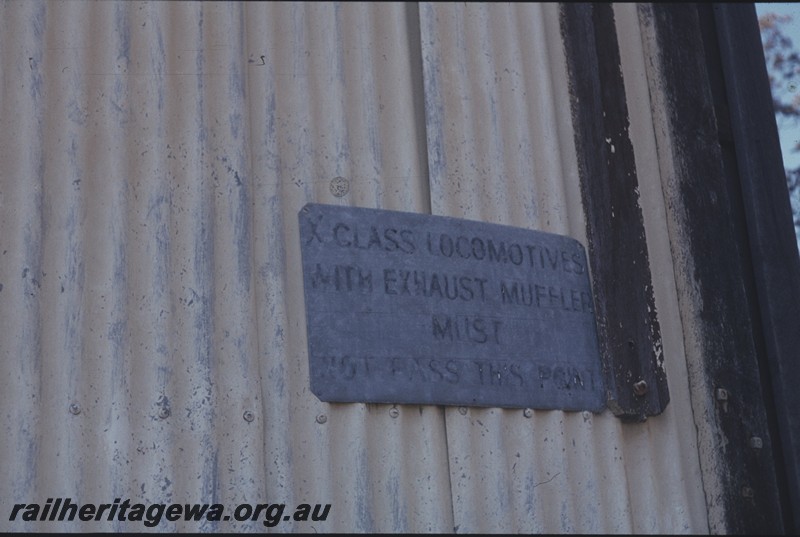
99	382
20	242
491	116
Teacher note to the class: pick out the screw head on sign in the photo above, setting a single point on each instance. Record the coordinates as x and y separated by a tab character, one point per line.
640	388
394	412
322	418
248	416
74	409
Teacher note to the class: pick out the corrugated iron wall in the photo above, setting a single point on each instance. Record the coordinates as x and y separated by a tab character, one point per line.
153	158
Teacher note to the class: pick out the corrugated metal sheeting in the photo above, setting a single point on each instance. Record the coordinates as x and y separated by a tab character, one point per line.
154	158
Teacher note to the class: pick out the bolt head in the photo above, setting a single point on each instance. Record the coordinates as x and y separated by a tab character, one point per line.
640	388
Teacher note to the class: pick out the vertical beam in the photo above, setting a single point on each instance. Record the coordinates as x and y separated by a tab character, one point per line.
773	246
628	328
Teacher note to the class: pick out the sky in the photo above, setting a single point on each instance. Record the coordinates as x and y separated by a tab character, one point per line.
789	133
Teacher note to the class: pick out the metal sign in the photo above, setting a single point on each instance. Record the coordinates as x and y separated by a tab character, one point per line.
420	309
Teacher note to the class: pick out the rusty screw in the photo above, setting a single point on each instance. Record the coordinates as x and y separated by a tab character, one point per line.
640	388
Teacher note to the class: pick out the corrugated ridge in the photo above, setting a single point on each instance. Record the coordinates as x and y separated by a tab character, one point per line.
20	250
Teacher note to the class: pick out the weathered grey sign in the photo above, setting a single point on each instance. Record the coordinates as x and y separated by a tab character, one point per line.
419	309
